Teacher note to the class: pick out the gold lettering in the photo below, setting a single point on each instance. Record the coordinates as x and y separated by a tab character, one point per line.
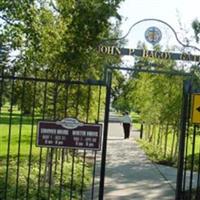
196	58
145	54
111	50
103	49
184	56
151	54
131	51
117	50
162	55
189	56
167	55
156	55
106	50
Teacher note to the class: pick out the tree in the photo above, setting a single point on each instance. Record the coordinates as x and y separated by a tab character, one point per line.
156	97
196	29
58	37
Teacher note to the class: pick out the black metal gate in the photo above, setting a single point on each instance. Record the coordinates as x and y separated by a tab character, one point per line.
30	172
188	174
188	169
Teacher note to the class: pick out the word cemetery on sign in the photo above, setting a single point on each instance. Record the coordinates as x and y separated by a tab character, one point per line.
64	134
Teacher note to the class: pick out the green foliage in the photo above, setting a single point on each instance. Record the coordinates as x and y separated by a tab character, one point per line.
23	163
160	143
195	160
156	97
33	189
120	93
60	37
196	29
154	153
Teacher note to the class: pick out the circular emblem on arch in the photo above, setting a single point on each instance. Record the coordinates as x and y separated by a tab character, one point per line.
153	35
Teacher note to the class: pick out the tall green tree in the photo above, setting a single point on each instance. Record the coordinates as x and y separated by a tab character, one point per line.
58	36
196	29
58	32
156	97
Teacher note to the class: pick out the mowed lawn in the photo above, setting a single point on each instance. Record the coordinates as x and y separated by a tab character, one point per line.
21	165
163	148
15	131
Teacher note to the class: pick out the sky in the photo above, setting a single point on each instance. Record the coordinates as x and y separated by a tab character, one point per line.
178	13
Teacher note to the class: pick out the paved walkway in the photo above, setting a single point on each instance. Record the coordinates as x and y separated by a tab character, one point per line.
129	174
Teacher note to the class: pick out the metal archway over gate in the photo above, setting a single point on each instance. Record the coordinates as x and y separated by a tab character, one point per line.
44	152
64	144
187	187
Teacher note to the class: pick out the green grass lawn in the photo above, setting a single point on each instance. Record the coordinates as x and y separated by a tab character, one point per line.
20	132
166	153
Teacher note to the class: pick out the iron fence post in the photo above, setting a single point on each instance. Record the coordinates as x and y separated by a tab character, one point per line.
141	130
184	115
105	134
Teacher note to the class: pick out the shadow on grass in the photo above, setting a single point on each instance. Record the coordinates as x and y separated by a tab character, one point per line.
189	162
25	138
57	184
15	119
191	195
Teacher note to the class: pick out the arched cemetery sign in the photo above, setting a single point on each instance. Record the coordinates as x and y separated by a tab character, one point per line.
113	50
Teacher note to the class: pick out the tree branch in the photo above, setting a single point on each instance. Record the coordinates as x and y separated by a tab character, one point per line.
7	21
54	6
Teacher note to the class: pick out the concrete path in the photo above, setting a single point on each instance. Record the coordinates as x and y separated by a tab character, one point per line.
129	174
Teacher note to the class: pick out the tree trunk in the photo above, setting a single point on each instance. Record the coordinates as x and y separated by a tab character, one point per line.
173	141
159	135
166	137
150	133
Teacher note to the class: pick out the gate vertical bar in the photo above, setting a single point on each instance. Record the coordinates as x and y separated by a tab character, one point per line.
31	137
44	108
197	196
95	152
105	135
184	114
192	161
9	134
20	136
85	152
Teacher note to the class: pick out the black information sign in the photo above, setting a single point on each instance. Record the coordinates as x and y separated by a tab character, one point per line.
54	134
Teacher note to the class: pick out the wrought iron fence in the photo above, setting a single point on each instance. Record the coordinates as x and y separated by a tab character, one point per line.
188	181
179	145
31	172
